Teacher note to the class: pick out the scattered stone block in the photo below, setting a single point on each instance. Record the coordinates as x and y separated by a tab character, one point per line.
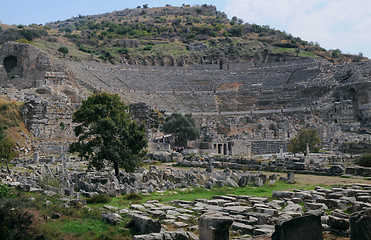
338	223
360	225
146	225
111	218
302	228
214	227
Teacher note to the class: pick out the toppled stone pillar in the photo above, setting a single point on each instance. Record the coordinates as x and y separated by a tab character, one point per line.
301	228
360	225
214	226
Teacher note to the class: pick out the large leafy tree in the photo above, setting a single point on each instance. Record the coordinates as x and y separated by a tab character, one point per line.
182	127
298	144
107	135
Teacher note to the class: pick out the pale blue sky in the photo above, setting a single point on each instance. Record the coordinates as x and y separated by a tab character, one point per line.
333	24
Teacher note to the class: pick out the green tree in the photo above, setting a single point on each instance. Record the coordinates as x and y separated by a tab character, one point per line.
7	151
236	31
182	127
298	144
107	135
336	53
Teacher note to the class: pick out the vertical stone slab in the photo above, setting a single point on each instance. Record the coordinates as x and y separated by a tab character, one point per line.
52	161
214	226
360	225
249	151
43	171
36	157
64	166
301	228
290	177
281	153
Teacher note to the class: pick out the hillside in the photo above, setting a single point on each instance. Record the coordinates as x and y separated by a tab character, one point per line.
15	128
168	36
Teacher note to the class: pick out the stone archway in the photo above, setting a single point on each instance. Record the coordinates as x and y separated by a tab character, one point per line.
10	62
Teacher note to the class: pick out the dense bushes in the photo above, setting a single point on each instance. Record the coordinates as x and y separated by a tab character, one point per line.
31	34
100	198
132	196
14	222
364	160
355	147
63	49
4	191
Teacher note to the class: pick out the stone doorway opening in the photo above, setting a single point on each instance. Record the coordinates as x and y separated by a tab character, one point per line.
10	62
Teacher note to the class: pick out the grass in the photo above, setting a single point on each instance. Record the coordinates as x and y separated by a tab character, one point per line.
191	194
74	223
100	198
292	51
73	53
85	228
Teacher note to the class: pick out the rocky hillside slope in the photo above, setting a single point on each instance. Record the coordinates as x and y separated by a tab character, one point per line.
168	36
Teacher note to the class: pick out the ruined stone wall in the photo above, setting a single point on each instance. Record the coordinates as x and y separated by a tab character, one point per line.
23	65
47	88
205	88
334	94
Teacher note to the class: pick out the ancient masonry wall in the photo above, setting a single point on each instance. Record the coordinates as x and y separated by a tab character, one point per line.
52	90
48	90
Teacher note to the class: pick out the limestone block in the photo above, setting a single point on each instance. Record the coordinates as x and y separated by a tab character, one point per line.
110	218
360	225
146	225
302	228
214	226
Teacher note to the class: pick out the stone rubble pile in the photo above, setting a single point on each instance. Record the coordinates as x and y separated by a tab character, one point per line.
247	216
330	166
67	176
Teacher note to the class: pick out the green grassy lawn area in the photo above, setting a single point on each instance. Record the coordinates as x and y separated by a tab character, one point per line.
83	228
190	194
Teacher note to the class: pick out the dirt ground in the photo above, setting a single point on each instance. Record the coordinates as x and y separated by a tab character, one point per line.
328	180
300	178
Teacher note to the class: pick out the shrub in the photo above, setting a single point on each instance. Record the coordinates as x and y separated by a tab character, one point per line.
132	196
4	191
123	50
100	198
63	49
364	160
14	222
147	48
336	53
236	31
23	40
31	34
